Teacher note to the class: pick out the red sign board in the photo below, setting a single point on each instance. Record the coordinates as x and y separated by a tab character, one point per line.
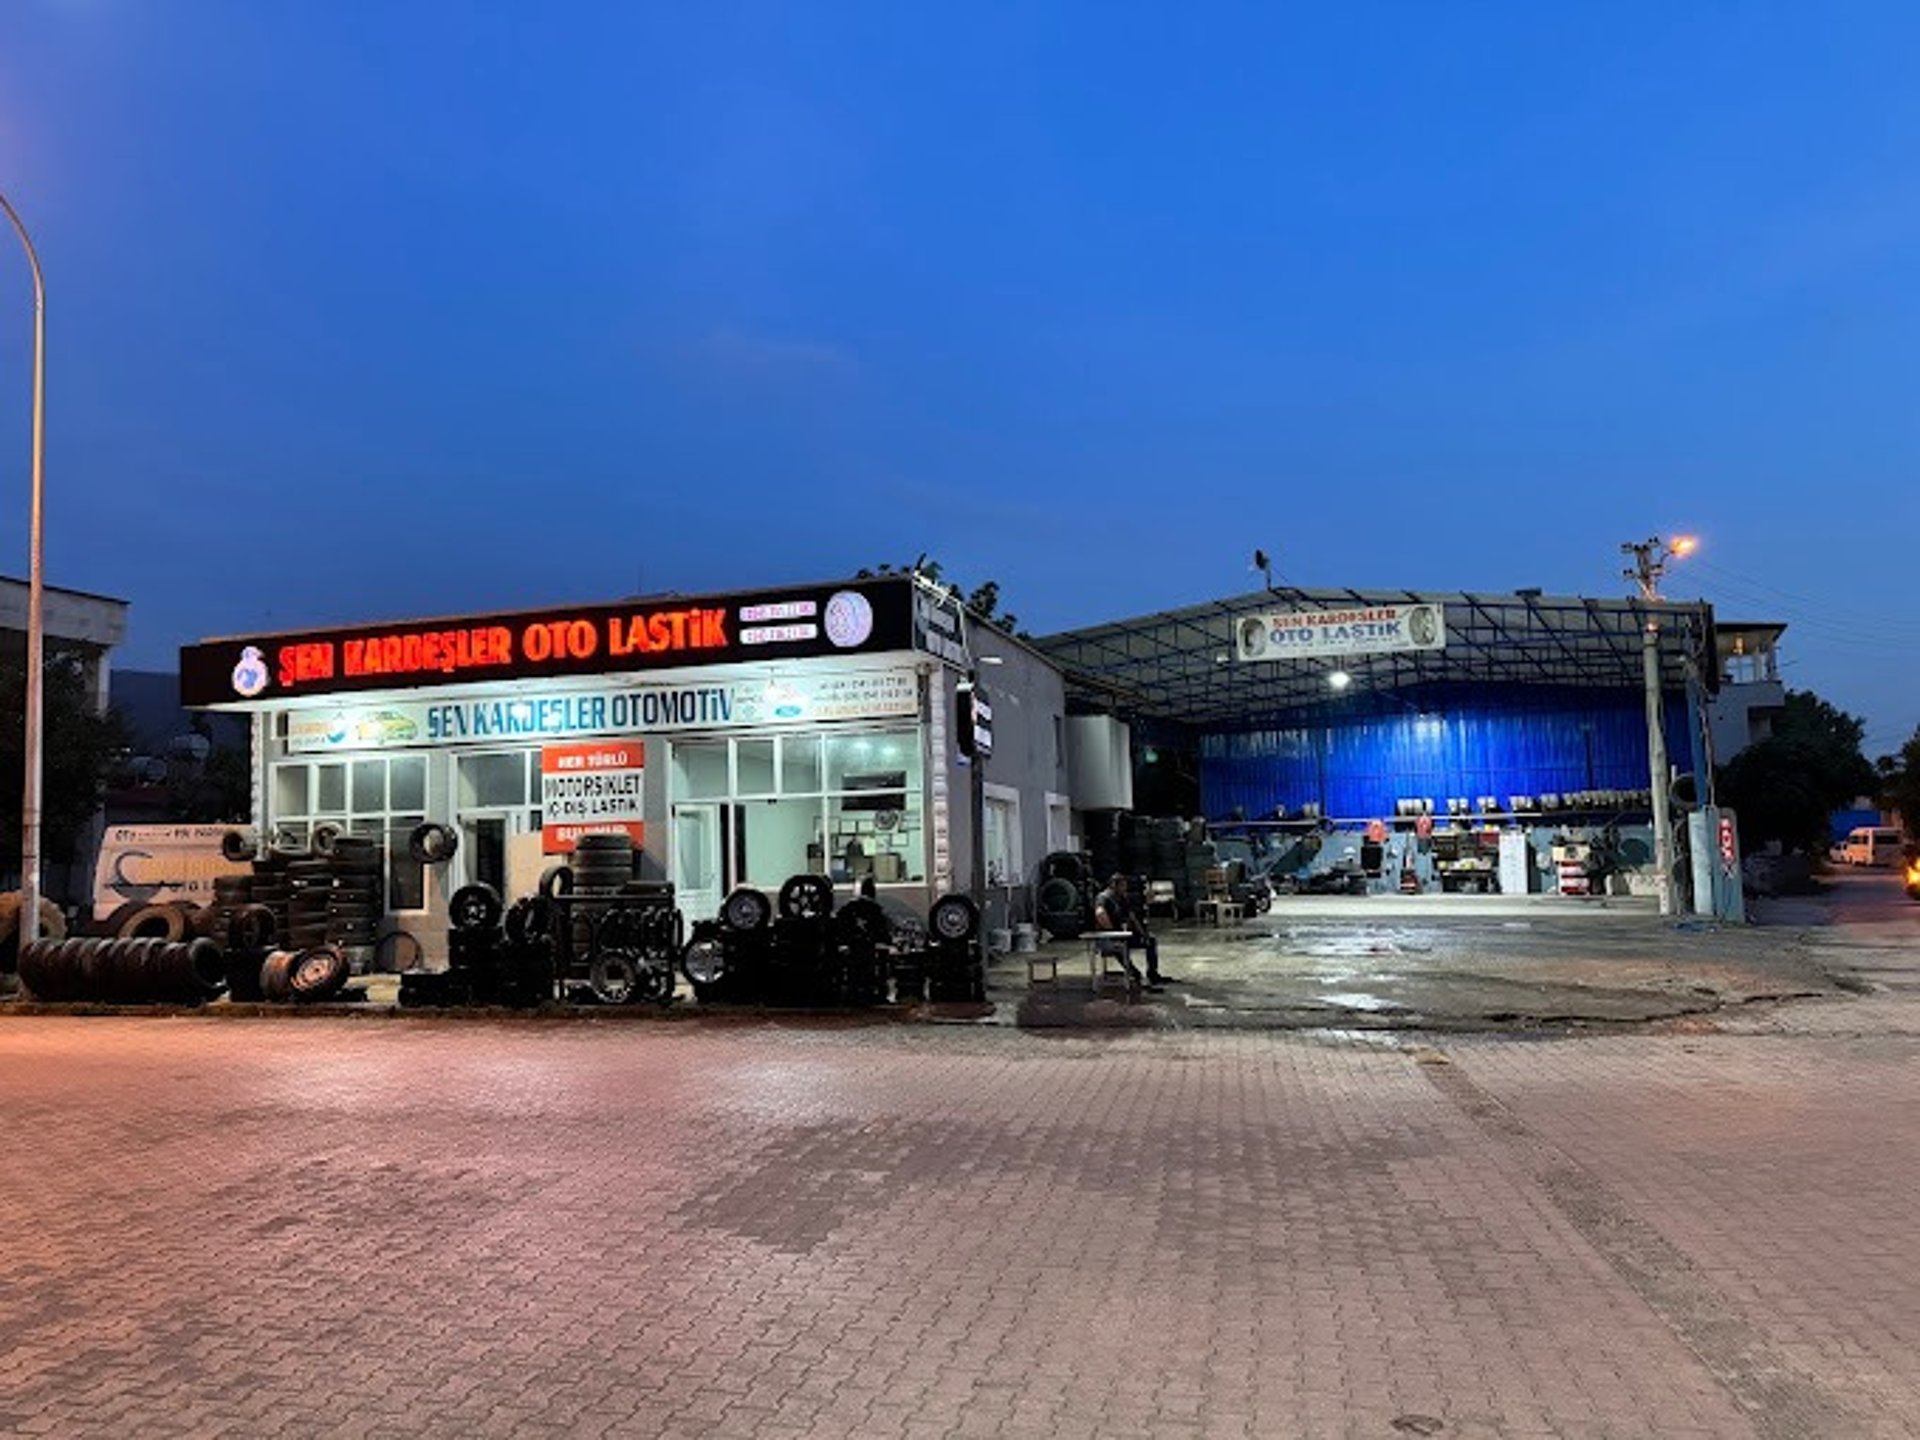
592	788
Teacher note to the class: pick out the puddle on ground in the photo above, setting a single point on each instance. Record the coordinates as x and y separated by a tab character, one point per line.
1359	1000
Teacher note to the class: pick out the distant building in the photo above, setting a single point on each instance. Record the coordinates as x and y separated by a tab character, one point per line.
1751	694
87	627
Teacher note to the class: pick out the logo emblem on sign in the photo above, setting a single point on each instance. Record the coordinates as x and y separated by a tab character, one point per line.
849	619
250	675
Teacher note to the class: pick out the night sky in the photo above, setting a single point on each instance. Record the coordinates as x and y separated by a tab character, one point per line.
369	310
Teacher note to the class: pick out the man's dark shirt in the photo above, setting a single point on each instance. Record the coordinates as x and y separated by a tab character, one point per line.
1116	909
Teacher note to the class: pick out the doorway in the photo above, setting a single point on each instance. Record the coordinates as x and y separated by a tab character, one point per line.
699	860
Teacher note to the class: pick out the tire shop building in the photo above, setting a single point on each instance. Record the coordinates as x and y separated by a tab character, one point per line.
738	738
1403	741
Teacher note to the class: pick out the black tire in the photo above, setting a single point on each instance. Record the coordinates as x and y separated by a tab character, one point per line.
275	971
704	962
433	844
389	949
318	973
325	836
474	908
109	928
555	881
954	917
238	845
1063	865
251	927
1059	896
614	977
160	922
746	910
863	922
806	897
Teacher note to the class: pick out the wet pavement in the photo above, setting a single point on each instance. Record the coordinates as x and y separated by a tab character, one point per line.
1436	963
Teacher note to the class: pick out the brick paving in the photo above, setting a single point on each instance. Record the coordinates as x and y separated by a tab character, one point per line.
423	1227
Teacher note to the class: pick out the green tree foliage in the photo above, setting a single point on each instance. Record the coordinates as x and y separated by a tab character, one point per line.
983	600
1900	784
78	747
1785	787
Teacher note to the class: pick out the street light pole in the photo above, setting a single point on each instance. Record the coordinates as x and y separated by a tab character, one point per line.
1649	564
29	926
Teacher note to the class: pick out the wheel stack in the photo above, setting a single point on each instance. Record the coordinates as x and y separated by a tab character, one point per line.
357	899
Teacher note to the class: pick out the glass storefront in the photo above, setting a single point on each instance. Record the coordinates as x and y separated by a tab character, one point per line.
381	796
841	803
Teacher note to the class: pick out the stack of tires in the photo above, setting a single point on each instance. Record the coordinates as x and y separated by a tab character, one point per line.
246	935
272	888
1103	842
309	895
124	972
956	963
358	898
1136	845
635	948
1167	852
602	865
731	960
230	893
806	968
1202	855
1063	897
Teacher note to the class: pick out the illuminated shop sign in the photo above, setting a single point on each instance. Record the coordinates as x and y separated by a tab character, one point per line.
627	709
861	616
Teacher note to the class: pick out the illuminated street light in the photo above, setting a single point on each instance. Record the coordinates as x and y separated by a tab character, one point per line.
1650	559
36	598
1339	679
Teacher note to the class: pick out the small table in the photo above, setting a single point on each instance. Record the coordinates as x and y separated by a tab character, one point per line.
1103	948
1218	912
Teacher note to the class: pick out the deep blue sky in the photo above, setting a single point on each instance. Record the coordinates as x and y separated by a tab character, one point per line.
364	310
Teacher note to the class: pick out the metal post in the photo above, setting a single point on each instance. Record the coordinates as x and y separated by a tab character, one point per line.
29	928
1657	765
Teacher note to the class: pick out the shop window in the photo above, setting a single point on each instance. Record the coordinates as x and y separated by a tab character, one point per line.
782	839
878	835
1002	836
307	793
700	771
369	785
407	782
753	767
852	760
330	782
800	765
493	782
290	790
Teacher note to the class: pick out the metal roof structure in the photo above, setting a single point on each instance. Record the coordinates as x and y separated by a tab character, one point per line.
1180	664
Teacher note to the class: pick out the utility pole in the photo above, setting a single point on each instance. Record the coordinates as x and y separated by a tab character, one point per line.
1650	559
29	927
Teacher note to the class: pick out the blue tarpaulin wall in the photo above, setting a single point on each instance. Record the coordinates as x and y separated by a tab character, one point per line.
1356	763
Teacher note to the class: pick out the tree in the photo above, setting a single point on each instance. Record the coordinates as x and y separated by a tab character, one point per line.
1900	784
1786	786
77	749
983	600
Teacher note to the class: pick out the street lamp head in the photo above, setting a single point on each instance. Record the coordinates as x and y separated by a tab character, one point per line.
1683	545
1339	679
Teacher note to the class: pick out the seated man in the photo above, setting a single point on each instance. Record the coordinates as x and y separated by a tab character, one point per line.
1111	911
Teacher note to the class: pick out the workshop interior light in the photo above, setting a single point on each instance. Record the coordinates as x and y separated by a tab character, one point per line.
1339	679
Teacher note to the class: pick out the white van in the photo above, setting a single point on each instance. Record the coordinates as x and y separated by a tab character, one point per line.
1873	845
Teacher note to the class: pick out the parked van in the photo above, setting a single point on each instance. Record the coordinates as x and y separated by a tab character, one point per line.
1873	845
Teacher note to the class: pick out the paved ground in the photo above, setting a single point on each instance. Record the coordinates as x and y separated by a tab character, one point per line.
434	1227
1441	963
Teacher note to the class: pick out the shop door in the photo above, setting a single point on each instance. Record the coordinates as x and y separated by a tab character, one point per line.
483	848
699	875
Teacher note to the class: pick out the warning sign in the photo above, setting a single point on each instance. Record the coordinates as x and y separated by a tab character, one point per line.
596	788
